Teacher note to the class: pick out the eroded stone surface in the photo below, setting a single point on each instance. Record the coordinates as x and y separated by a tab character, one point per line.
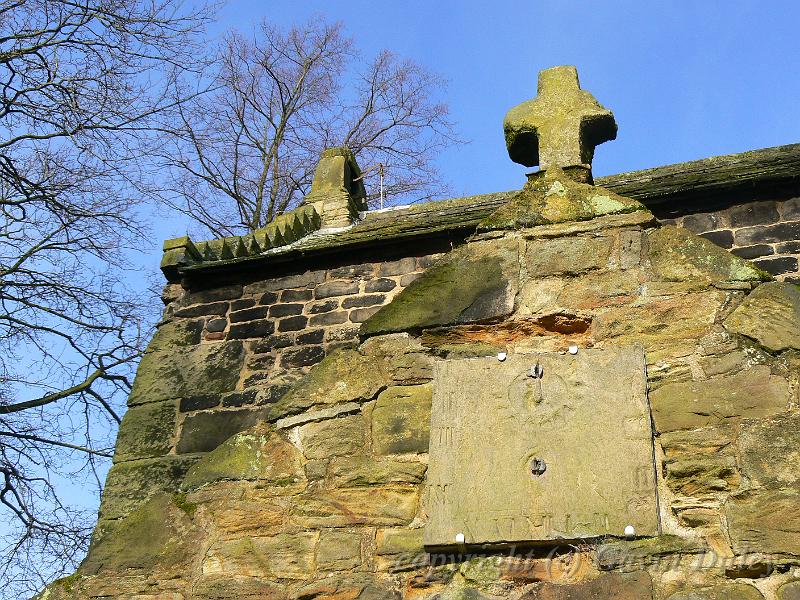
765	521
204	369
769	315
492	420
401	420
751	393
726	591
475	282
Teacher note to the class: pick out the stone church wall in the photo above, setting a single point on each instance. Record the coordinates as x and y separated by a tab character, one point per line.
321	495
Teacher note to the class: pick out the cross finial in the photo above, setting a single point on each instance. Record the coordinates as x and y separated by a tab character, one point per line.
561	126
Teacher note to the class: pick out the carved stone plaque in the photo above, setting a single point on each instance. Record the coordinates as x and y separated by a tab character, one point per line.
541	447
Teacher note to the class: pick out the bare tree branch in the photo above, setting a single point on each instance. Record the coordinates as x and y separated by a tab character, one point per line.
246	153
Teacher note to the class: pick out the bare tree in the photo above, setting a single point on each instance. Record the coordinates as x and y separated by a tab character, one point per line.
82	94
247	152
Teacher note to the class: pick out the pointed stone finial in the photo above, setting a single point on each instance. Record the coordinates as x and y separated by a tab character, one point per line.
561	126
337	191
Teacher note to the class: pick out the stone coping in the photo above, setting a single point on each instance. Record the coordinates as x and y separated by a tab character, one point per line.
678	183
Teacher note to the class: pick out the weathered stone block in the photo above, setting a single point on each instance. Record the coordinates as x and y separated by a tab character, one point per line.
702	475
228	586
333	437
609	586
203	310
205	369
399	541
338	550
285	310
675	323
302	357
203	432
780	232
292	323
559	256
256	454
380	285
284	556
172	335
158	535
146	431
355	471
777	265
640	554
748	394
725	591
765	521
378	506
252	314
131	484
336	288
251	329
479	281
340	377
769	451
401	420
770	315
228	292
789	591
677	255
296	295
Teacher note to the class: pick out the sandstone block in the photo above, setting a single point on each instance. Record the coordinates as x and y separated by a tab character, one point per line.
355	471
677	255
205	431
765	521
770	315
478	280
789	591
283	556
343	376
146	431
131	484
769	451
558	256
377	506
726	591
205	369
609	586
338	550
747	394
158	535
256	454
401	420
333	437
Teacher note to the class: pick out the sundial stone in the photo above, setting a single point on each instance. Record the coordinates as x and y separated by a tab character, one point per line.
541	447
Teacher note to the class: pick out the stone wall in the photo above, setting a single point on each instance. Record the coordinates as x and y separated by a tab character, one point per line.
764	231
318	491
224	356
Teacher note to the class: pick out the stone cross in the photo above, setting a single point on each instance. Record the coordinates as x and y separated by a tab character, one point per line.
561	126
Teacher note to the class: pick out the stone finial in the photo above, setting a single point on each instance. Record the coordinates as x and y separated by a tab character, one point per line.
561	126
337	191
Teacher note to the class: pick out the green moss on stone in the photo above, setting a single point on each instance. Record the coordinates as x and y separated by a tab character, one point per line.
552	196
256	454
181	502
475	282
146	431
158	533
338	378
677	254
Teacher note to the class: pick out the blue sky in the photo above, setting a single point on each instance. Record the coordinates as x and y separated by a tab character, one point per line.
685	80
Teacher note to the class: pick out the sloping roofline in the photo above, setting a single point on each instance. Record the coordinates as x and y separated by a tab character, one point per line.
679	188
